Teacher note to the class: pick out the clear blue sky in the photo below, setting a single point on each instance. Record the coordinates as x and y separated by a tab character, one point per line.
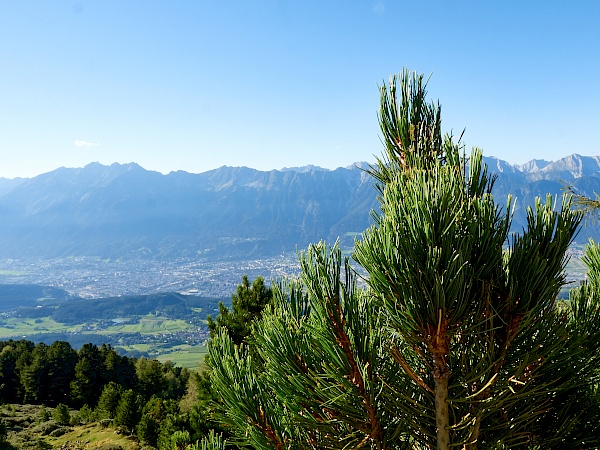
194	85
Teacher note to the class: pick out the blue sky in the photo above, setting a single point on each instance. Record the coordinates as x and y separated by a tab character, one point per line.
194	85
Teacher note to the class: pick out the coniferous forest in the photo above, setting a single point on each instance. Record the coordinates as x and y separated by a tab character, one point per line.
143	397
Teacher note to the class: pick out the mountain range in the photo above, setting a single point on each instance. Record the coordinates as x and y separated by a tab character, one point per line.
125	211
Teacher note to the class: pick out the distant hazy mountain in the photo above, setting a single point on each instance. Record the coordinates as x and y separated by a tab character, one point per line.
124	210
535	165
121	211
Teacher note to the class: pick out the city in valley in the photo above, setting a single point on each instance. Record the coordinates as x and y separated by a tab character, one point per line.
91	277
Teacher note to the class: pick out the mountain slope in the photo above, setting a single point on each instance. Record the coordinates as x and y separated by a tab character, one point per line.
123	210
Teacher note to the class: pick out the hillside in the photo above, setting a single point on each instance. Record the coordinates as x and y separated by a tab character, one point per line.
125	211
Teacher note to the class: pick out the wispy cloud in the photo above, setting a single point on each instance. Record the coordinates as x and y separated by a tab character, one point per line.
379	8
79	143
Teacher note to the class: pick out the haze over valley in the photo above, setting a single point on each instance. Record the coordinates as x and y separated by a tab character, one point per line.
120	229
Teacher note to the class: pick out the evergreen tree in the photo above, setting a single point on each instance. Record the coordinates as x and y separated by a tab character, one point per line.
200	404
171	424
85	415
128	411
60	362
151	379
109	400
32	374
3	432
155	411
247	304
14	355
117	368
457	342
89	376
180	440
147	431
43	415
61	414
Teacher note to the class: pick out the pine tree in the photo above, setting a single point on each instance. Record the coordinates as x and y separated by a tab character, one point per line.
456	342
128	411
109	400
247	305
88	380
61	414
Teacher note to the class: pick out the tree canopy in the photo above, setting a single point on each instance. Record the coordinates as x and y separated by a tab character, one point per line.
457	340
247	304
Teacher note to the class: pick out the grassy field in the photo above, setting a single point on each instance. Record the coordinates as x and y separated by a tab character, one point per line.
17	327
185	355
11	273
190	356
150	324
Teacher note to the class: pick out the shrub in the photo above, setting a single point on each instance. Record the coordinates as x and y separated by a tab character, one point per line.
61	414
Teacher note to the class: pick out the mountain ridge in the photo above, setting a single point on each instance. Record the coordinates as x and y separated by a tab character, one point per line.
124	210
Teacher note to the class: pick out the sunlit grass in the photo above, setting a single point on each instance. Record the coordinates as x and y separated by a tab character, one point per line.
150	324
12	273
17	326
190	356
94	436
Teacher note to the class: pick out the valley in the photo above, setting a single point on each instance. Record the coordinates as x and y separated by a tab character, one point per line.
93	277
111	233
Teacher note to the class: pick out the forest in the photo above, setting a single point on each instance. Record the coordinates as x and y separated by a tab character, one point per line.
142	396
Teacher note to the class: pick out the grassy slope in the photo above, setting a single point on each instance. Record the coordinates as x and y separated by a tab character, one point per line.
25	432
16	327
94	436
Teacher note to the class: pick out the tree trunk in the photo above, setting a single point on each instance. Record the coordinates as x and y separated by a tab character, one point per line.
439	345
442	418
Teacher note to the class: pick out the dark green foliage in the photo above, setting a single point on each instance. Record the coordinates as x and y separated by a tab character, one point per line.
60	368
32	374
247	304
170	425
180	440
27	295
151	379
45	428
13	357
84	416
61	414
117	368
43	415
176	380
154	413
147	431
89	376
57	374
168	304
109	400
40	371
202	418
457	342
3	432
128	412
319	345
